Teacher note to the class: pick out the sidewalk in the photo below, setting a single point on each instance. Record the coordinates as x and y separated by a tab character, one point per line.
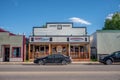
30	63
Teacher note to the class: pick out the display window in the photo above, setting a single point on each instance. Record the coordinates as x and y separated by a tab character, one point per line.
79	52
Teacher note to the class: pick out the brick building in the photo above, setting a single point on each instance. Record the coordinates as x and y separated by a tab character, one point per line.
12	47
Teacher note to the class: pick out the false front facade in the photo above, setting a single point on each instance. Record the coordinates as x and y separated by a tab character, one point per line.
59	37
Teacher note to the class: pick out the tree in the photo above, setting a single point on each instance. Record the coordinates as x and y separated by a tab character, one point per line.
113	23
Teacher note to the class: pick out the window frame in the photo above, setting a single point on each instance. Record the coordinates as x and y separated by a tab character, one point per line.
59	27
13	52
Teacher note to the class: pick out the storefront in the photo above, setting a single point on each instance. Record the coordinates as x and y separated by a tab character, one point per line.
12	47
61	40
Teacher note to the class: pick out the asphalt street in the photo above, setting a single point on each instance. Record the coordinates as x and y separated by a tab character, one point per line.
60	72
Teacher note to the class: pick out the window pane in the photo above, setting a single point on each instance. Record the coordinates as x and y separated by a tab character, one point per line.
16	52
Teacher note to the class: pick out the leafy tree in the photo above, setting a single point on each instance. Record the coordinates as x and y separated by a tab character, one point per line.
113	23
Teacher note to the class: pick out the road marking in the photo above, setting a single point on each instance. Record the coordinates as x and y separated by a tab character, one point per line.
62	72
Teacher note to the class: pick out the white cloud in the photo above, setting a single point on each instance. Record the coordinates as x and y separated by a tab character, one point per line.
79	20
109	16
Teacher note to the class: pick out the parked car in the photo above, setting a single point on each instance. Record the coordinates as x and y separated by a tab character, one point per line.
112	58
53	58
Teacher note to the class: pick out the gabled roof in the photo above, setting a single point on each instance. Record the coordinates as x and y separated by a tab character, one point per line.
2	30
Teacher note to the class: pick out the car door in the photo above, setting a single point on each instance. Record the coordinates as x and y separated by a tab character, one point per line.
50	59
117	57
58	58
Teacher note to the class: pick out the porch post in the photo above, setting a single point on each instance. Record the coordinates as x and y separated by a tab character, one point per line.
49	48
89	52
29	51
33	56
69	49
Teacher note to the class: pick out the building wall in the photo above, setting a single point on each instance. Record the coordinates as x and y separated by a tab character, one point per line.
17	41
12	41
108	41
60	37
93	45
93	40
105	41
52	29
4	38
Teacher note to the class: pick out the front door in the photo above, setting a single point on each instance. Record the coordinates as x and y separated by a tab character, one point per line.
50	59
62	48
59	49
6	54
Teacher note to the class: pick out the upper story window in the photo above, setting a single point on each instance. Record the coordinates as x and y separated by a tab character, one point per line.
59	27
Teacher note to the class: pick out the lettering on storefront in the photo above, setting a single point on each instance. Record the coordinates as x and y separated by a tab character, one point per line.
49	39
79	39
40	39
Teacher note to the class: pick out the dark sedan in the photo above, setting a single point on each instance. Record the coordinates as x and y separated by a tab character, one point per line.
112	58
53	58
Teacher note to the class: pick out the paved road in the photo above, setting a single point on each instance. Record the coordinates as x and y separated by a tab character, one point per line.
60	76
60	72
70	67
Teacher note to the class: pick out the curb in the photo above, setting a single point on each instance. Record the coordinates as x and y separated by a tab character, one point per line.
30	63
15	63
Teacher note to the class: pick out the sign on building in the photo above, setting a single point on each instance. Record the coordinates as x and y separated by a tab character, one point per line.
39	39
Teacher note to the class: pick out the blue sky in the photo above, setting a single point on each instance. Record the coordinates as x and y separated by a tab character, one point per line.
19	16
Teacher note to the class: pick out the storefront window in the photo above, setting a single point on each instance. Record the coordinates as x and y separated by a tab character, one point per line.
64	49
81	49
79	52
42	49
76	49
16	52
36	48
71	49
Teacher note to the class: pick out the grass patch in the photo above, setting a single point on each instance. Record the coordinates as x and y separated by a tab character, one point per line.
94	60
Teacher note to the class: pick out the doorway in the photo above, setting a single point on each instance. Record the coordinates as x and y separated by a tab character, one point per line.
60	48
6	54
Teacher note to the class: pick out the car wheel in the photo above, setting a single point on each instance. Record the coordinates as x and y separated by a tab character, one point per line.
108	62
41	62
64	62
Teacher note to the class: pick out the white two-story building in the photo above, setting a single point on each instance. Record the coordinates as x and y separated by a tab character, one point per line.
60	37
